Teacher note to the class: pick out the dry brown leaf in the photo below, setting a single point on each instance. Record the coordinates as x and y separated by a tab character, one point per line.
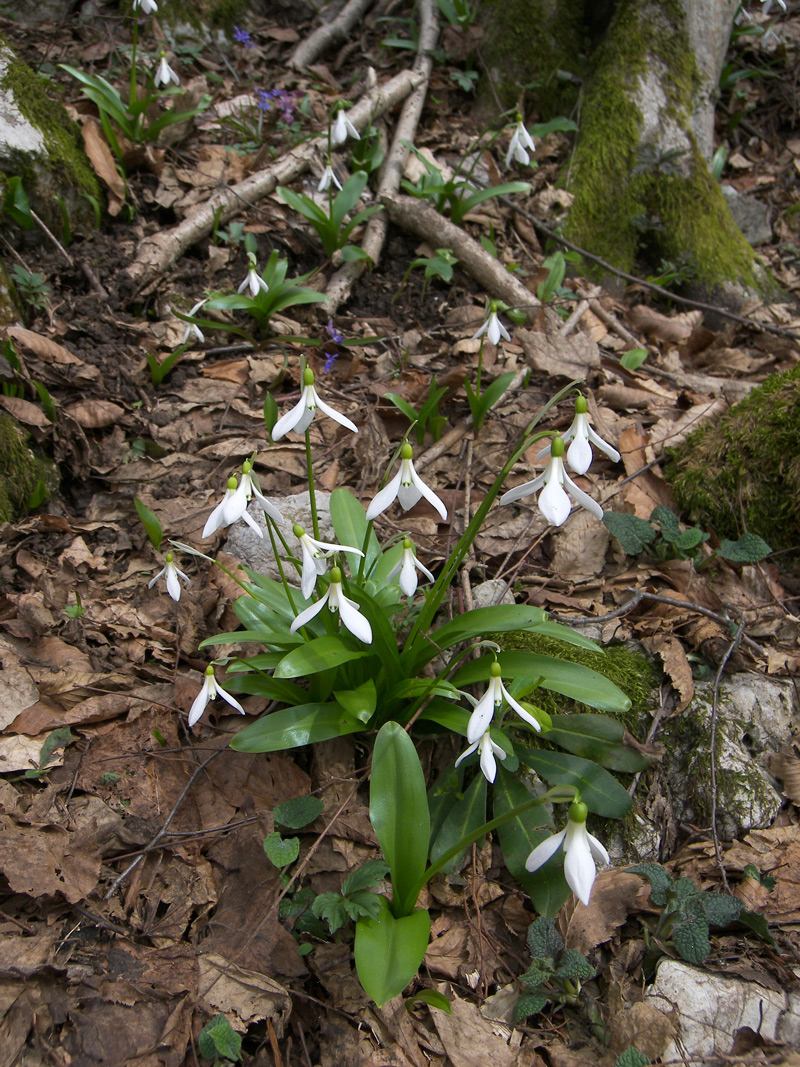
17	688
228	370
468	1038
566	357
95	414
48	351
674	329
246	995
642	1026
676	666
613	896
786	766
25	412
21	753
103	162
47	861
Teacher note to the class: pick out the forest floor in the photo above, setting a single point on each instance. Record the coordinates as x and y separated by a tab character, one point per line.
107	961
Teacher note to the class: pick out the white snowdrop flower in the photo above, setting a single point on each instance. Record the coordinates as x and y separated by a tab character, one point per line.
231	508
766	6
314	555
171	574
253	279
582	436
299	418
147	7
553	501
407	570
192	329
407	487
493	328
582	851
521	141
328	178
492	699
349	611
164	73
489	750
210	691
342	129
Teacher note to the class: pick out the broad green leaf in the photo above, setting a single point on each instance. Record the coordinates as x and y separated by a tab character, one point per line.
347	198
359	703
432	997
691	940
364	877
598	738
544	941
750	548
520	836
633	533
572	680
292	727
258	684
279	639
350	523
632	1057
668	521
218	1038
661	881
565	634
542	129
599	790
758	924
388	951
529	1004
320	654
634	358
720	909
398	811
281	850
297	813
465	816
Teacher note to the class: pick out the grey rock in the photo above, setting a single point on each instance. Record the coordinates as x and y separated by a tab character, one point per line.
749	214
256	552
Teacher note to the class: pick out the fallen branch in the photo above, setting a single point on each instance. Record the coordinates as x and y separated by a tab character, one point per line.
341	284
489	273
328	34
157	253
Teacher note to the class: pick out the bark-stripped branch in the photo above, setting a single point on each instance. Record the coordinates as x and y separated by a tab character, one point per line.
329	34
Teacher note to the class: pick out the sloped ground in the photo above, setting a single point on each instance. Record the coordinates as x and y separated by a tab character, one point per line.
137	899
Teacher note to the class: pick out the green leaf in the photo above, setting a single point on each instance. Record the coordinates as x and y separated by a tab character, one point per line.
691	940
598	738
529	1004
599	790
544	941
432	997
218	1038
15	203
466	815
152	526
691	538
56	739
297	813
750	548
498	618
330	907
634	358
536	976
388	951
668	521
573	964
366	876
398	811
520	835
565	634
347	198
633	533
350	524
281	851
542	129
721	909
631	1057
292	727
319	654
359	703
758	924
661	881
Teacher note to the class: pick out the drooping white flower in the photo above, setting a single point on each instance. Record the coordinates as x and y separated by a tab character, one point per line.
299	418
582	852
553	501
164	73
210	691
192	329
493	328
407	570
521	141
253	279
582	436
233	507
342	129
349	611
146	6
492	699
767	5
407	487
171	573
328	178
488	752
314	555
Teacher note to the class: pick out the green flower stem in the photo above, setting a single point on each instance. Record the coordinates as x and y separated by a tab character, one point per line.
312	496
363	561
272	529
132	99
436	595
480	370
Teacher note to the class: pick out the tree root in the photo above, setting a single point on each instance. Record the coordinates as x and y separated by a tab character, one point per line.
329	34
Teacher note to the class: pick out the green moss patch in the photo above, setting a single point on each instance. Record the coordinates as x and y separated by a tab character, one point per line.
21	470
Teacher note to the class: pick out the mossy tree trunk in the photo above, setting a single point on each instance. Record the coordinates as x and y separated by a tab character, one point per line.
642	76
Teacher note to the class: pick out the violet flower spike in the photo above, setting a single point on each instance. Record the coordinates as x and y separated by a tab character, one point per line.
253	278
553	501
407	570
164	73
192	329
299	418
328	178
342	129
243	37
349	611
488	751
492	699
210	691
406	487
333	333
493	328
171	574
314	555
521	141
582	851
582	436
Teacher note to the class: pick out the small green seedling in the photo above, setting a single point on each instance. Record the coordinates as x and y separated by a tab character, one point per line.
555	974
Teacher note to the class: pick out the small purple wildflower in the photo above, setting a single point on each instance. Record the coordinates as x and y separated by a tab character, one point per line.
266	97
334	334
243	37
329	362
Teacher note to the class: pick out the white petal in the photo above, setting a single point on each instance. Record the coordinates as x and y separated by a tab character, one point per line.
408	575
234	703
542	853
467	752
235	505
428	493
244	284
351	129
215	519
335	415
390	577
553	501
354	621
488	765
581	498
598	442
481	716
579	454
385	497
251	522
523	714
421	567
308	614
523	490
481	331
200	702
598	850
153	581
290	419
579	869
310	572
173	585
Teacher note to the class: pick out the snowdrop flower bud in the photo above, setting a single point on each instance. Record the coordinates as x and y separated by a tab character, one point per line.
580	433
553	501
210	691
342	129
171	574
488	751
581	849
493	327
407	487
407	570
492	700
253	279
349	611
299	418
164	73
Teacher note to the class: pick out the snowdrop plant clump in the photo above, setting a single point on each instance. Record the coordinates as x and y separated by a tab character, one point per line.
354	637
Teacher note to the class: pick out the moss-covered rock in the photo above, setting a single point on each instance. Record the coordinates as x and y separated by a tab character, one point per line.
742	472
21	470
